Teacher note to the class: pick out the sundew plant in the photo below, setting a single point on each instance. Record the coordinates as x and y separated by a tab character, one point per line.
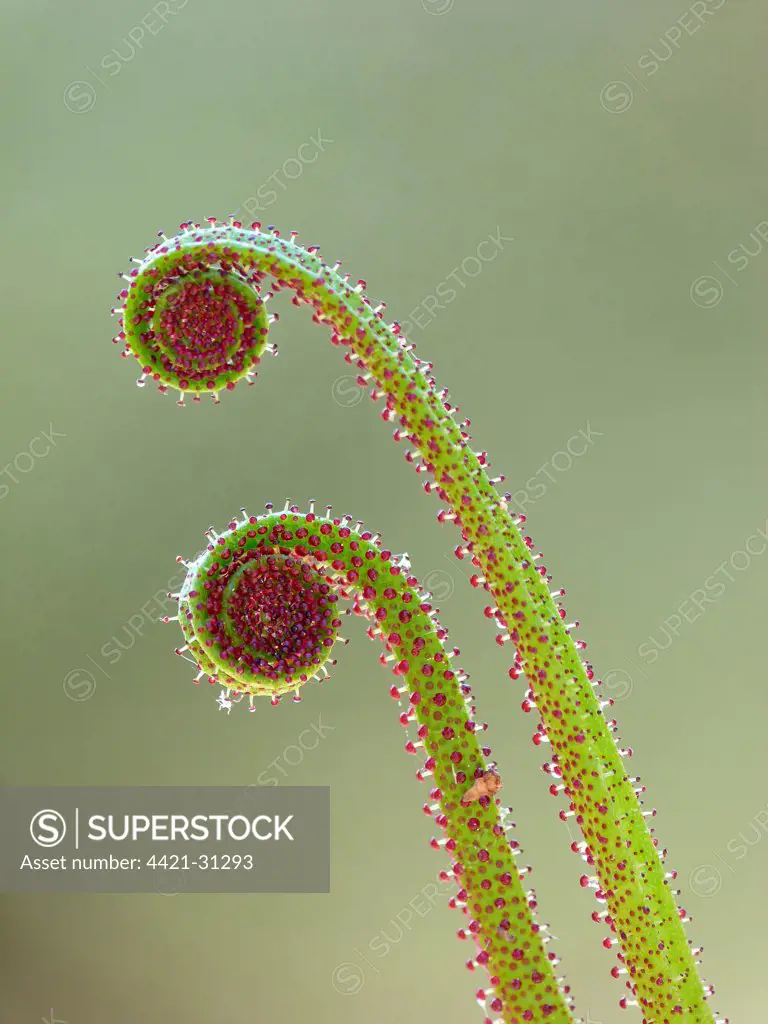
262	605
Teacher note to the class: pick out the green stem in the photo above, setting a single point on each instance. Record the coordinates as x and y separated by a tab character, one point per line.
271	579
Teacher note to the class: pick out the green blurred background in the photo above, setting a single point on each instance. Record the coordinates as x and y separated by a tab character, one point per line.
622	186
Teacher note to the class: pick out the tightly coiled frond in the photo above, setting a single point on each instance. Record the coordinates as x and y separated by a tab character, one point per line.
629	879
260	611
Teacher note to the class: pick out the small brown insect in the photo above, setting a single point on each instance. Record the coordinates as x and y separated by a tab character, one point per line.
488	785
